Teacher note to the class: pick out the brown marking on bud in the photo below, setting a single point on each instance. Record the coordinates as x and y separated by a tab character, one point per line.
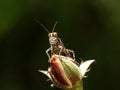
58	74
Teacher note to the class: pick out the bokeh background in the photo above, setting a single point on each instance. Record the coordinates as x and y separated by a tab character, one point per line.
89	27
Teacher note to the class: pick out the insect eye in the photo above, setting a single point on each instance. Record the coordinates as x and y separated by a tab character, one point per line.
50	34
55	34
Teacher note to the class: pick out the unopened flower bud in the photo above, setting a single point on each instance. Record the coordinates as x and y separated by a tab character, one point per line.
65	72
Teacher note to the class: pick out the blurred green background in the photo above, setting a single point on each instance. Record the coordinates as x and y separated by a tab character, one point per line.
89	27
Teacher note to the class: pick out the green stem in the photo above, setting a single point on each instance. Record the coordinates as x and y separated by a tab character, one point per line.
75	88
78	86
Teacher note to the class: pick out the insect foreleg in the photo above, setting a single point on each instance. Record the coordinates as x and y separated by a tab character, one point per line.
48	53
61	49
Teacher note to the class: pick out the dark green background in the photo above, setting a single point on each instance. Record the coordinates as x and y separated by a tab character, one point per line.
89	27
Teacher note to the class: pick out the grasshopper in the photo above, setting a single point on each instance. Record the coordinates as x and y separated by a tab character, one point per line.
56	45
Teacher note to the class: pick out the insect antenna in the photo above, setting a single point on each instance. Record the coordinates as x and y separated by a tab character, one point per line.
41	25
54	26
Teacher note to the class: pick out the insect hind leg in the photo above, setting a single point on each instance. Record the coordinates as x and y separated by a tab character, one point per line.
71	51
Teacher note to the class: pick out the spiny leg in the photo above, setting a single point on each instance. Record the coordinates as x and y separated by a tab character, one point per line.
48	53
61	48
71	51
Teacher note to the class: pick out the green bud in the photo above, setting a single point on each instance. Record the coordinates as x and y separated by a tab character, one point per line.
65	73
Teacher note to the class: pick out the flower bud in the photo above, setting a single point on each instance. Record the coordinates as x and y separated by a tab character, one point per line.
65	73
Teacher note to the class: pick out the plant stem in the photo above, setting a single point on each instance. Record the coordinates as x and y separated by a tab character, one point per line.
78	86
